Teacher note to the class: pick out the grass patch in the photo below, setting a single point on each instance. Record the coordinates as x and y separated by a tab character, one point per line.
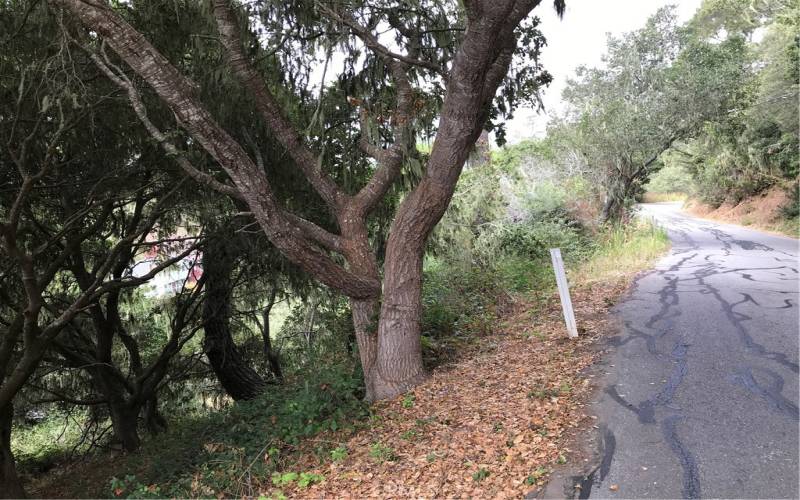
39	447
621	250
651	197
789	227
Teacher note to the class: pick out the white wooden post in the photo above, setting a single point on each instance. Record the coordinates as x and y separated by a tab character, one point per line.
563	292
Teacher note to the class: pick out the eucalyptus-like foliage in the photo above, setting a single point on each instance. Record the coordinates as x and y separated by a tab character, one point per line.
659	84
754	144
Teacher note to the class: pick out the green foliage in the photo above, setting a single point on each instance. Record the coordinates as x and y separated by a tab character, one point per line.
409	434
209	453
477	206
544	393
536	475
509	159
522	274
339	453
754	144
382	453
620	248
37	447
526	206
534	238
130	487
480	475
303	479
309	478
449	291
672	178
284	478
660	85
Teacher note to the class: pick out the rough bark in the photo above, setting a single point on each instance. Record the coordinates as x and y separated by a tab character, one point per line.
616	196
153	419
360	255
480	64
238	379
10	483
125	424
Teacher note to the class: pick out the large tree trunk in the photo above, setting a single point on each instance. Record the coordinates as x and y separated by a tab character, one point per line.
153	419
612	209
398	365
238	379
479	67
125	423
616	196
361	257
365	313
10	484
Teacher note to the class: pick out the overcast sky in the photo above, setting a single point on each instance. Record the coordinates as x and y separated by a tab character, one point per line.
580	38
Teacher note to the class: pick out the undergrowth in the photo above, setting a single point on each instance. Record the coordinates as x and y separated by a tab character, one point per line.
464	298
622	249
219	453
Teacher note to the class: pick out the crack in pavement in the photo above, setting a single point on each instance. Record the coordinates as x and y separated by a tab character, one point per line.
771	393
691	477
645	411
736	319
706	274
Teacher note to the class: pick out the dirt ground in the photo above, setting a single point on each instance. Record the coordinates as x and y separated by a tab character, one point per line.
762	211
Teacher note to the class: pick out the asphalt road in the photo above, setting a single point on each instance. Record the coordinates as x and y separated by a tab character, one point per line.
700	399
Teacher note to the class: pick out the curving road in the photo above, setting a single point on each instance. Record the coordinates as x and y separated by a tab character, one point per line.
700	399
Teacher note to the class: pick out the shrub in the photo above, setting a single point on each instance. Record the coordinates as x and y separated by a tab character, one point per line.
206	455
533	239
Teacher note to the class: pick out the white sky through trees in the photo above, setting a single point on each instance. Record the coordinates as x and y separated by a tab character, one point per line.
580	39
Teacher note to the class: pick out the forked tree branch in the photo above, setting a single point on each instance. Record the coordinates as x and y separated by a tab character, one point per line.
178	93
390	160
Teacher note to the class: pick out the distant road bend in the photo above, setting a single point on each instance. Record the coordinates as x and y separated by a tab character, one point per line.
701	395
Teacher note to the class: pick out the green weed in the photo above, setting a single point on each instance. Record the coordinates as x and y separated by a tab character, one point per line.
480	475
382	453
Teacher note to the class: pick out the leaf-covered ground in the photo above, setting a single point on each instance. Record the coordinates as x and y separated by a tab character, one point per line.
492	425
494	421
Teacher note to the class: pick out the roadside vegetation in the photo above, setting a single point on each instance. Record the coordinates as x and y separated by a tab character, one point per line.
742	165
489	291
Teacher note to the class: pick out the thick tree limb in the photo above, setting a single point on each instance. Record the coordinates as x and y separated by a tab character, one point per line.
125	84
390	160
177	92
273	114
